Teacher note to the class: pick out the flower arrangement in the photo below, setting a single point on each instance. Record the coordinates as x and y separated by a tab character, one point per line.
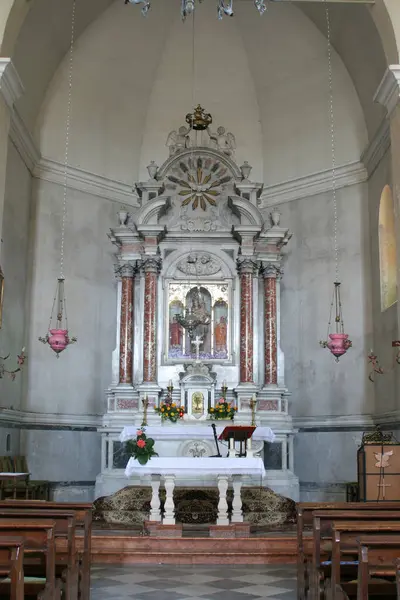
142	448
169	410
222	410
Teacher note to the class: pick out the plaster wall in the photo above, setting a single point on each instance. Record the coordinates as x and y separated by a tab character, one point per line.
319	385
14	263
385	322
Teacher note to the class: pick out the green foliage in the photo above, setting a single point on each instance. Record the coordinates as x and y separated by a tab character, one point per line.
142	448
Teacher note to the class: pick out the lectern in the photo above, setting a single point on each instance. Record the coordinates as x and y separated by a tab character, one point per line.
241	434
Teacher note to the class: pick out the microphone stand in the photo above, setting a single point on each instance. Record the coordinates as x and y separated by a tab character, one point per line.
218	455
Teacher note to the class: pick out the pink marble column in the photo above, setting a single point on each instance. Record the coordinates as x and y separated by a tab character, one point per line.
126	327
151	268
270	273
246	269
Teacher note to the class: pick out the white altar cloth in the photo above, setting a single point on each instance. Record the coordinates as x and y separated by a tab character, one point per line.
189	432
194	466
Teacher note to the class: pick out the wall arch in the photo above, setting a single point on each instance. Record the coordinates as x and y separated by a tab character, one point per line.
387	249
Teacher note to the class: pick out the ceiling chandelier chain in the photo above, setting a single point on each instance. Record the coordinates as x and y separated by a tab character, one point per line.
67	137
333	140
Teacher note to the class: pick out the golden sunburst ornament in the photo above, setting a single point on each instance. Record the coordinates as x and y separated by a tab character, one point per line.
199	189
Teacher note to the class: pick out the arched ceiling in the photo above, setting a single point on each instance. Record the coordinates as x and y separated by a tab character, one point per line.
45	36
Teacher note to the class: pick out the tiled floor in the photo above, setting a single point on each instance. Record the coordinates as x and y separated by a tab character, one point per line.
199	582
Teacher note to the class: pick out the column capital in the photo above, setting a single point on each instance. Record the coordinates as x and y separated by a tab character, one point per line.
151	264
388	92
125	270
246	264
11	87
270	270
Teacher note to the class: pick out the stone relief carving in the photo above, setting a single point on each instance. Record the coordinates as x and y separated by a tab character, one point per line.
196	449
178	140
222	141
197	369
199	264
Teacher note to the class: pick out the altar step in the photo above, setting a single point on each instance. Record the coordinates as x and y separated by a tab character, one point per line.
120	547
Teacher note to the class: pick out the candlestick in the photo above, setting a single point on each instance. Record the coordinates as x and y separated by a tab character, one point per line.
145	402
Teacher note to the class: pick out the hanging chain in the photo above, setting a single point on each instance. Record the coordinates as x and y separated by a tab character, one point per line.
67	133
333	144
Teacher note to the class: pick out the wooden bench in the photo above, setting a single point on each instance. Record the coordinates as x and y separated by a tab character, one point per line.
83	523
346	537
304	512
11	566
67	564
39	540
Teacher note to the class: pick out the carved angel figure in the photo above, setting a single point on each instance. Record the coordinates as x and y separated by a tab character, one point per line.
178	140
225	142
382	460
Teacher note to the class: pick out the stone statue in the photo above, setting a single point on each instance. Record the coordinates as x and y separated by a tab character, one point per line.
178	140
225	142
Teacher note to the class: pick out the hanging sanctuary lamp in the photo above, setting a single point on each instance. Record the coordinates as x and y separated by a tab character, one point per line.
57	336
337	341
224	7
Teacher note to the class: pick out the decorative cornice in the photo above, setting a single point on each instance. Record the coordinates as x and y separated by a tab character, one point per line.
388	92
11	87
84	181
313	184
37	420
23	141
377	147
332	422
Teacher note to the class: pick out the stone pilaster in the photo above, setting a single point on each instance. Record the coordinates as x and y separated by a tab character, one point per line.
126	272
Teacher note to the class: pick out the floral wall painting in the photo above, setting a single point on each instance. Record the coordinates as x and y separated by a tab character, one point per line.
387	249
1	296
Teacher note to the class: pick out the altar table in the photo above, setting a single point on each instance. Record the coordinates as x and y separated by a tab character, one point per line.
222	468
192	432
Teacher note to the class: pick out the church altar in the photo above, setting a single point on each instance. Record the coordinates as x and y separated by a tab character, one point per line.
198	272
220	469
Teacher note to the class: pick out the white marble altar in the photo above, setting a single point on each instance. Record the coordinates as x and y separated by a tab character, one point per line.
221	470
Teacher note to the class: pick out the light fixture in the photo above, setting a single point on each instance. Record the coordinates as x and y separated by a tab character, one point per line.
57	336
224	7
337	340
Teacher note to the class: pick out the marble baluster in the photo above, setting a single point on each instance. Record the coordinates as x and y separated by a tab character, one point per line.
169	506
237	512
126	273
270	273
246	269
151	268
222	518
155	509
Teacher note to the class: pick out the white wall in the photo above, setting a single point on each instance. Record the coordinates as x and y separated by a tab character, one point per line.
15	239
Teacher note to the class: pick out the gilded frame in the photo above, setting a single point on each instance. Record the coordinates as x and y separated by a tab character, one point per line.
1	296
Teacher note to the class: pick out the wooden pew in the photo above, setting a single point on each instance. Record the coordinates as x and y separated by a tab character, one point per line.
67	566
304	512
397	565
376	557
39	538
11	567
323	523
349	533
83	522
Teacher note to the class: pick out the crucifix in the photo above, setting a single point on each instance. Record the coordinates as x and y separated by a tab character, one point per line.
384	485
197	342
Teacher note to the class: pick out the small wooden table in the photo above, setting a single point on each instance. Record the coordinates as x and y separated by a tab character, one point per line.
15	477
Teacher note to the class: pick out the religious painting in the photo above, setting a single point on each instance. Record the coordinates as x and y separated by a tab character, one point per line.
175	328
198	321
197	403
1	296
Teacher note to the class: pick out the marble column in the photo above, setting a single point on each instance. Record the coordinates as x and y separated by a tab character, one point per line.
151	267
126	328
270	273
246	269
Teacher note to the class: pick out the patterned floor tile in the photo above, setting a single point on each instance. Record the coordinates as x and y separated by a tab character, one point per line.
263	590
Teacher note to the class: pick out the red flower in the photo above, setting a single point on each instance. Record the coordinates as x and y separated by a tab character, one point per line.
141	443
139	432
222	400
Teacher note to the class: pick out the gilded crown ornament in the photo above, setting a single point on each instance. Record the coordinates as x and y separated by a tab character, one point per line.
199	120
